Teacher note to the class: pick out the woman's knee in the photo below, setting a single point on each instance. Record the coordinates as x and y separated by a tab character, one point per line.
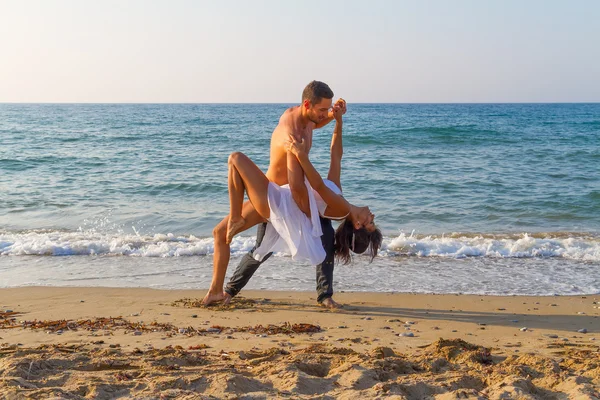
235	157
219	232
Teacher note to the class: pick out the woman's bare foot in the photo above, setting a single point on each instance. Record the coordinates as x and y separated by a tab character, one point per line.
331	304
232	228
211	298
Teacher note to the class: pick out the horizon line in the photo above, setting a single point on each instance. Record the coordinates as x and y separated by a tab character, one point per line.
225	103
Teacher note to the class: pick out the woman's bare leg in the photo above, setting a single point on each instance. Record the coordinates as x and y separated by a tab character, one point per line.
245	175
223	252
236	199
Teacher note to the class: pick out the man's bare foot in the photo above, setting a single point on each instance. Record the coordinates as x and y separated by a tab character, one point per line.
331	304
232	228
211	298
227	298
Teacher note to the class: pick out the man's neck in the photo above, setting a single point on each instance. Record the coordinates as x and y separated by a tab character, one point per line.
303	120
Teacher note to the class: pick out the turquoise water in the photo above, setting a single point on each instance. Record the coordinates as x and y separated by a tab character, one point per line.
485	182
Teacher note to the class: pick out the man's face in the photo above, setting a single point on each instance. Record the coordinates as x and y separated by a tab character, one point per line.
320	111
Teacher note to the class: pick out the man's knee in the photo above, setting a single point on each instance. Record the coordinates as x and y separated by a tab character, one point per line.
328	238
328	231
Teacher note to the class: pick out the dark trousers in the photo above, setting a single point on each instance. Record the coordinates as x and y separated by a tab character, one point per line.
248	266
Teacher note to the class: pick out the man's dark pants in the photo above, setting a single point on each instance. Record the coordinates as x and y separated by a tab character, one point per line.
249	265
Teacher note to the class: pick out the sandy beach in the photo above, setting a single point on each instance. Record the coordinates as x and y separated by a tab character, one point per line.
105	343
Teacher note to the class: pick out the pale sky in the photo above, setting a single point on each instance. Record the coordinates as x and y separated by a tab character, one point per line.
184	51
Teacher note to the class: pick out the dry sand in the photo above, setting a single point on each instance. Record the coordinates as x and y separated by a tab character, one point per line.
105	343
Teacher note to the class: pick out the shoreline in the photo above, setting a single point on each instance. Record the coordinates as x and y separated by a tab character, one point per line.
281	330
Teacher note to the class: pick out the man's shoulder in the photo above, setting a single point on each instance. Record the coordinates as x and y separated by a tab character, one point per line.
288	115
286	122
292	108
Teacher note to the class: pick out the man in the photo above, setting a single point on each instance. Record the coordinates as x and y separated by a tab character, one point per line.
284	168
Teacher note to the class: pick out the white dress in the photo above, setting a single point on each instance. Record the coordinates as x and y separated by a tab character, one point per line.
289	230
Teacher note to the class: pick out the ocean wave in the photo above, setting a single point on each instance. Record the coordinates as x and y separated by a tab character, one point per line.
594	124
563	245
450	130
9	164
183	187
567	245
364	140
71	139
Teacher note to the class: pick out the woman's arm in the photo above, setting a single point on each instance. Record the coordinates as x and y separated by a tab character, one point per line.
336	203
337	150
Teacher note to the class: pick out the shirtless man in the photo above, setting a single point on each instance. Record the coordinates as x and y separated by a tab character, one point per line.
314	112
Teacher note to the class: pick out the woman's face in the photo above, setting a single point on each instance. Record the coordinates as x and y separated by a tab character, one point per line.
365	219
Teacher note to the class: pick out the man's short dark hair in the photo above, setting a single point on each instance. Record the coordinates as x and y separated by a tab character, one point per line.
315	91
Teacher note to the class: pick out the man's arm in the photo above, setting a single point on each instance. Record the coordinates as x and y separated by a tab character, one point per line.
297	186
341	104
325	121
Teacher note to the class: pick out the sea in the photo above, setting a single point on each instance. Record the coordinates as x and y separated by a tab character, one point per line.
496	199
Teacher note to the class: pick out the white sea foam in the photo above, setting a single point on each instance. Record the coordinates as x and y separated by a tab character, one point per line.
61	243
57	243
508	265
523	246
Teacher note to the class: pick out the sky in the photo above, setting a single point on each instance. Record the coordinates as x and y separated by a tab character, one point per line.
378	51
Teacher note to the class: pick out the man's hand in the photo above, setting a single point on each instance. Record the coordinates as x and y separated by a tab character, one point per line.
338	109
340	105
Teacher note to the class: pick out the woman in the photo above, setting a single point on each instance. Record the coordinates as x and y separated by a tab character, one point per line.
290	230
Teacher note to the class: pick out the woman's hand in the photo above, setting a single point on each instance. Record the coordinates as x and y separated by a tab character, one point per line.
338	109
297	148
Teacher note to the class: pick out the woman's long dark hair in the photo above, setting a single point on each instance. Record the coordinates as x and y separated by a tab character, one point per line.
358	240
